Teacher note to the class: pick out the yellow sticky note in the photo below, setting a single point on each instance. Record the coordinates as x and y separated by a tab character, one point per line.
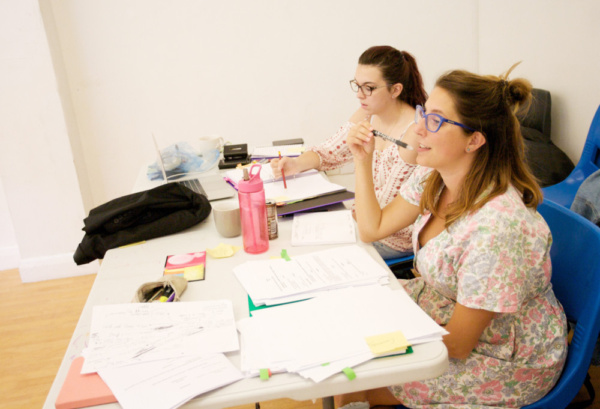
383	344
133	244
223	250
298	149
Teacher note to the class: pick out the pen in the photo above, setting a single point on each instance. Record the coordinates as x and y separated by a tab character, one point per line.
396	141
282	174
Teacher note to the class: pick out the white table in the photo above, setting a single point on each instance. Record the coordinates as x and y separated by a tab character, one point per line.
123	270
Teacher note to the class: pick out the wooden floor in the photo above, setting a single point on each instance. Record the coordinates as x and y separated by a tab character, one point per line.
36	324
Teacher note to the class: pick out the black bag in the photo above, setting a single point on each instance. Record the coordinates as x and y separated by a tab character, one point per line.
157	212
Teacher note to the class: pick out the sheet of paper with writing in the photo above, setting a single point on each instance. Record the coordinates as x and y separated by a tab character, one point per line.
277	280
123	334
316	228
169	383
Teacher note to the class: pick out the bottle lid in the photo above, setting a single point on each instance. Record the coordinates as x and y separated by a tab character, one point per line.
254	183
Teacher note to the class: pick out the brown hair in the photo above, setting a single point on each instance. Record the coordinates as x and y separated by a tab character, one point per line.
397	67
488	104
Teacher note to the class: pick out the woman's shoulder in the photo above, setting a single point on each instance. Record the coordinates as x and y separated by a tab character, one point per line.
508	210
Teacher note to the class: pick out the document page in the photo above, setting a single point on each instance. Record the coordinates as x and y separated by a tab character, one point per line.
323	228
168	384
271	281
124	334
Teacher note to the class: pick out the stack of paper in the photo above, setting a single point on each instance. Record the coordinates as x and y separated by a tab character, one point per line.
142	349
321	336
270	282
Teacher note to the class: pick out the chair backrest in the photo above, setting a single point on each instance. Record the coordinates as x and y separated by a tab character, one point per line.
538	113
576	283
590	157
564	192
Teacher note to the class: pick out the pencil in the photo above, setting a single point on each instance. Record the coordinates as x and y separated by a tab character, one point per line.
282	174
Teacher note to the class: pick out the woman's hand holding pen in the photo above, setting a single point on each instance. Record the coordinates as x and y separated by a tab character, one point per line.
288	165
360	141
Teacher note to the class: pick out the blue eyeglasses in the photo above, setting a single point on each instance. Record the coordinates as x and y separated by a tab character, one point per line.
433	122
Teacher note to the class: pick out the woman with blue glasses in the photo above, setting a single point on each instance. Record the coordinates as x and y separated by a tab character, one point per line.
388	85
481	249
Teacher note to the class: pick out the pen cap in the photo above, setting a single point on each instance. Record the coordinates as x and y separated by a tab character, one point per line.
254	184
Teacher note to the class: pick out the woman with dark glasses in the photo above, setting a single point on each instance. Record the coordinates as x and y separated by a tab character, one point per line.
481	249
388	86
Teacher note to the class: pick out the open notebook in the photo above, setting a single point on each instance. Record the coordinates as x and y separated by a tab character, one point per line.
300	187
214	187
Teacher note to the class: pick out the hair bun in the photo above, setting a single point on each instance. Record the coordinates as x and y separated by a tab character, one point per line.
517	92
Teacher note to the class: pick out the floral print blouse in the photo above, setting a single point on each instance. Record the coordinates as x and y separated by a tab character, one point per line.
390	171
496	259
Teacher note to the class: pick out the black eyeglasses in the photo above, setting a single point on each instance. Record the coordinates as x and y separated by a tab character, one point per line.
367	90
433	122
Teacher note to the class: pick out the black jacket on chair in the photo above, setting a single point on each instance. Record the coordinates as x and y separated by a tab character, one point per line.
140	216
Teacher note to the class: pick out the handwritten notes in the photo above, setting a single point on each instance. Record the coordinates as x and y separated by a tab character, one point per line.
124	334
316	228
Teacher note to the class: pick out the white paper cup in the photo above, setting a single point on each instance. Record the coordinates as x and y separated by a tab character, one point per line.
226	214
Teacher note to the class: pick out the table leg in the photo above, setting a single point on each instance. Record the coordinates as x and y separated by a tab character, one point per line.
327	402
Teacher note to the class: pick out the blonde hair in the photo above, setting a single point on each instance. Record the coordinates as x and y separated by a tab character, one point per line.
487	104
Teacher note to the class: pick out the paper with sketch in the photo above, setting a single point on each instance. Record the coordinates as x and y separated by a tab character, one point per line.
168	384
271	281
282	337
323	228
124	334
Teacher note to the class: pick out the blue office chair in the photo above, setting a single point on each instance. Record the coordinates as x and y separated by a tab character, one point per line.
564	192
576	283
401	266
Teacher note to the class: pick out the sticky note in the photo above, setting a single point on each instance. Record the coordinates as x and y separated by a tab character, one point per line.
392	342
265	374
222	250
284	255
349	373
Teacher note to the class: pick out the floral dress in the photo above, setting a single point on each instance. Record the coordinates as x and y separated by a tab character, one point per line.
390	171
495	259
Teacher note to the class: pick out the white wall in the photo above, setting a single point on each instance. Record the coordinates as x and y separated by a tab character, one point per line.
557	42
257	70
36	164
248	70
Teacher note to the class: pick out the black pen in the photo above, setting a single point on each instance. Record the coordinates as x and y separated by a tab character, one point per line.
396	141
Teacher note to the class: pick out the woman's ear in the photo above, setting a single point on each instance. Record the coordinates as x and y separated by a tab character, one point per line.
396	90
476	141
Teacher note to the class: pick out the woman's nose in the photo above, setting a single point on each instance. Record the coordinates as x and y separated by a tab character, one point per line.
420	128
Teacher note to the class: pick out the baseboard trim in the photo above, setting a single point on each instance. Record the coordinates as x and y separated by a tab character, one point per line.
9	257
53	267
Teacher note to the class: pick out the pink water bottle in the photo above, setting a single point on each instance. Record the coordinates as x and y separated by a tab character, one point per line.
253	211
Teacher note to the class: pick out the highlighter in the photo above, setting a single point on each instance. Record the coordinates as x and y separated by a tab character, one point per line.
166	294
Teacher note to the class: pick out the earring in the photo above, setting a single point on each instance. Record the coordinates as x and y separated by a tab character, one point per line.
468	149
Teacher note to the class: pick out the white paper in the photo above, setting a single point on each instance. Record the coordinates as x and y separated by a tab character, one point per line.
323	228
268	281
300	187
168	384
331	329
123	334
